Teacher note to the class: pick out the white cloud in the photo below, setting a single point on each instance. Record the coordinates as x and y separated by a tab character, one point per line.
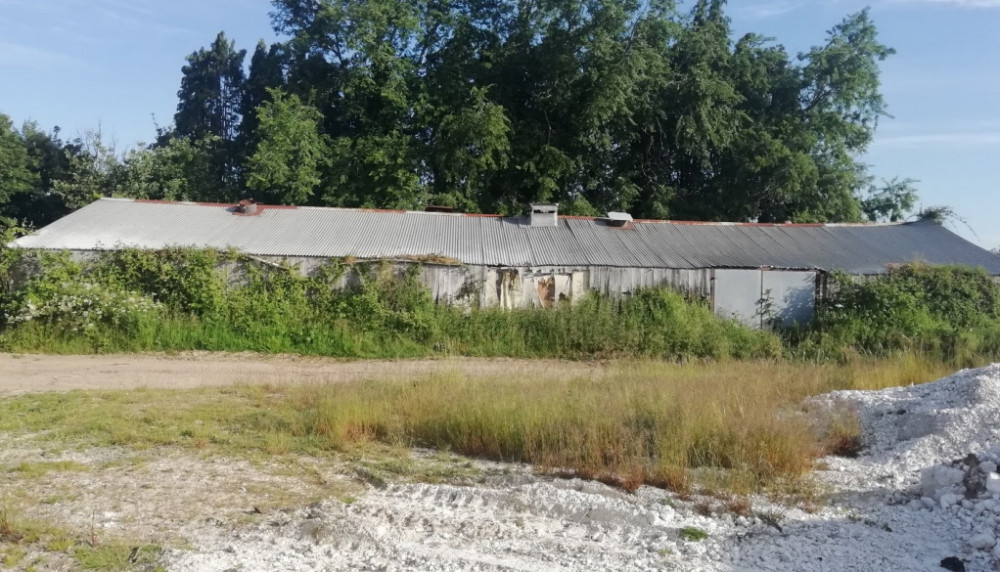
958	139
13	55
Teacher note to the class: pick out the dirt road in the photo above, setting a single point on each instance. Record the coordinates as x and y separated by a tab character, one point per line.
26	373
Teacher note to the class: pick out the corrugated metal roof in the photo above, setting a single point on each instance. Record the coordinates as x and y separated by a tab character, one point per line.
497	241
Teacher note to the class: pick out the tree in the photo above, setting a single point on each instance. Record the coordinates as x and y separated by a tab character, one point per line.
892	202
285	166
51	159
469	143
266	73
208	110
211	92
91	172
361	62
489	105
178	169
16	175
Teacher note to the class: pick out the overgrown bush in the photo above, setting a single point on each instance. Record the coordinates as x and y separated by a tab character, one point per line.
180	299
8	257
949	312
83	306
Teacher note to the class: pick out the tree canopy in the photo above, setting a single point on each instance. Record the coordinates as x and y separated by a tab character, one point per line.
487	105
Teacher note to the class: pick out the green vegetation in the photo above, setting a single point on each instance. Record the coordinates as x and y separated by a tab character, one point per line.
174	300
37	469
486	106
947	312
692	534
687	414
178	300
117	556
18	531
21	536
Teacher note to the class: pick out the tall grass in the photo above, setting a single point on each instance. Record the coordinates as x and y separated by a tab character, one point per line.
176	300
735	426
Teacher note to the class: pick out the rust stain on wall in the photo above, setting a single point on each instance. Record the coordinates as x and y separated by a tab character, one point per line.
547	291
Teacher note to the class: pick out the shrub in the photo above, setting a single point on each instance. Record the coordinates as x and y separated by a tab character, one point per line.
950	312
83	306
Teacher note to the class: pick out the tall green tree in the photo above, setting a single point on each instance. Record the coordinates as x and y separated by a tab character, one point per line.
209	106
891	202
16	174
492	104
51	159
56	176
369	55
209	99
285	168
266	73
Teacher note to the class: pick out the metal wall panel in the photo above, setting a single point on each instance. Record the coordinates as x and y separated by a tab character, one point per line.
737	295
792	296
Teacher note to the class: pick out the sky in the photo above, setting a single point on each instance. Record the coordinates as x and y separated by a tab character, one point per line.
116	64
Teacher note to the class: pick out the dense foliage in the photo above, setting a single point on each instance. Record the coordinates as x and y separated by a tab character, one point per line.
947	311
491	104
188	299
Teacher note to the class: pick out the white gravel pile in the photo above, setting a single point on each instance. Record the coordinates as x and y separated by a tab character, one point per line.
924	493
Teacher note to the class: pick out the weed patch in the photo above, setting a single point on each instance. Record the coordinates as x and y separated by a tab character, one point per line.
729	427
692	534
117	556
31	470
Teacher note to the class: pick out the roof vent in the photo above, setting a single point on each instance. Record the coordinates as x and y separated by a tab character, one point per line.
618	219
247	206
438	209
544	214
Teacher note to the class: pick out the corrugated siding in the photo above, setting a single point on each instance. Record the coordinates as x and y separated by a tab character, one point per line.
509	242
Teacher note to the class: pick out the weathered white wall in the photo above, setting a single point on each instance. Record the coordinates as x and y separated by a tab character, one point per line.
543	286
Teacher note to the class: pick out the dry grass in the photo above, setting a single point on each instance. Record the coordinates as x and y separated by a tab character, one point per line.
735	427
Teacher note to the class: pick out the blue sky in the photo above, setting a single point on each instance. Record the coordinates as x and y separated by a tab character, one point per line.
80	64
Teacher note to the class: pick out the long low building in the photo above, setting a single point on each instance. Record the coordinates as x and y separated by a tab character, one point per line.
741	268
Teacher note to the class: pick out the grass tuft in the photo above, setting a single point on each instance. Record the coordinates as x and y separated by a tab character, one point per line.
692	534
37	469
117	556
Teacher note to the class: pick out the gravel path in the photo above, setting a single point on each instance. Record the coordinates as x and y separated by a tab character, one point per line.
25	373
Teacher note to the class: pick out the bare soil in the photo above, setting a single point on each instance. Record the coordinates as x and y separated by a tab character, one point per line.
27	373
